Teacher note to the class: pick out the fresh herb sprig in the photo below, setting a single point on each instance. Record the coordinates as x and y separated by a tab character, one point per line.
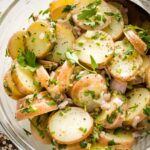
143	34
27	60
73	59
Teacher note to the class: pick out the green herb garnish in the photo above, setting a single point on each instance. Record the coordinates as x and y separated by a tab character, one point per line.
147	111
111	143
93	63
117	16
27	60
112	117
83	129
68	8
51	103
27	132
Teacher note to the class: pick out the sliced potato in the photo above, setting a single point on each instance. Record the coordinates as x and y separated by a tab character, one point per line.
48	64
115	28
65	40
147	77
144	67
138	99
92	147
97	21
24	79
101	147
10	87
122	10
126	61
57	7
16	44
123	140
39	129
82	125
60	82
111	111
136	41
35	105
40	38
96	44
89	91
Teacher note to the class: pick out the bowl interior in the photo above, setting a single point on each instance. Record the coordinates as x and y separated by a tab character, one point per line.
14	19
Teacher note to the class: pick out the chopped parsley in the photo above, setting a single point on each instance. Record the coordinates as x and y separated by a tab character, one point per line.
111	117
73	59
53	81
5	84
27	132
83	144
93	63
133	108
37	83
68	8
111	143
129	51
143	34
27	60
89	92
117	16
84	130
147	111
45	11
51	103
86	14
29	109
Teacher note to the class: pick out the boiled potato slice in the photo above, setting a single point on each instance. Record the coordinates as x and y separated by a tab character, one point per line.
123	140
111	111
122	10
39	38
136	41
138	99
60	83
39	128
92	147
16	44
65	40
48	64
88	91
101	147
24	79
126	61
10	87
81	127
144	67
35	105
97	44
115	28
96	20
147	77
57	7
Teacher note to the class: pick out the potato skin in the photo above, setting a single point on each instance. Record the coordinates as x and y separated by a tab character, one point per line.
38	106
10	87
79	89
40	38
18	75
122	139
16	44
115	28
40	123
136	41
57	7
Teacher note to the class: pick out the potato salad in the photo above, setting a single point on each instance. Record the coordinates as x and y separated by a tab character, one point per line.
81	76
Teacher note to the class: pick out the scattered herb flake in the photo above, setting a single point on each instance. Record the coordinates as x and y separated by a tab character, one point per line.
117	16
68	8
147	111
93	63
84	130
27	132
